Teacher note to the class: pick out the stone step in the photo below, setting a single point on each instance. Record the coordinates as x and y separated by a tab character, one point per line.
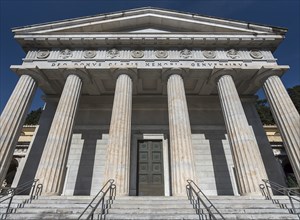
226	216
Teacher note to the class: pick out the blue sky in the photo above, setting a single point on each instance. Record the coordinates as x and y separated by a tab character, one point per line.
15	13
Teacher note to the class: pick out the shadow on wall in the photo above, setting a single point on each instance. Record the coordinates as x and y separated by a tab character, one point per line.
220	166
86	165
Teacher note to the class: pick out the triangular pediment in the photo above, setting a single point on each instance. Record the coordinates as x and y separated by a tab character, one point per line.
147	20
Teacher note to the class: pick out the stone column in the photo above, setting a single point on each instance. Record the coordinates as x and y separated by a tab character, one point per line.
52	167
287	119
182	159
12	119
246	155
117	165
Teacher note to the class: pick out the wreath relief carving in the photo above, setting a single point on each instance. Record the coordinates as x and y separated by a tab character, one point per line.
66	53
137	53
89	53
113	53
161	54
232	53
42	54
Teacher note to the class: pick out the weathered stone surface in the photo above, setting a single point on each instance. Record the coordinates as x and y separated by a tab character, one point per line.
181	150
117	165
52	167
287	119
248	162
12	119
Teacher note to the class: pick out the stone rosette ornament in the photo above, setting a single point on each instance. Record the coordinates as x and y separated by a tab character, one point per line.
89	53
42	54
256	54
112	53
209	54
161	54
137	53
233	54
186	53
66	53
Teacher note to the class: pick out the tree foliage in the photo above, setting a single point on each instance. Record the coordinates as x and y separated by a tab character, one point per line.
264	111
295	96
33	117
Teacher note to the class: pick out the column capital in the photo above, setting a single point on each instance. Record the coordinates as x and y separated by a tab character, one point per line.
82	73
132	73
265	72
217	73
178	71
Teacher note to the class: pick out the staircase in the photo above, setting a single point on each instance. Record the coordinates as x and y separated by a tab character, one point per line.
70	207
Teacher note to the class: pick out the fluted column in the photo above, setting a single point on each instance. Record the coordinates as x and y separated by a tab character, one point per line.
182	160
117	165
12	119
52	167
247	159
287	119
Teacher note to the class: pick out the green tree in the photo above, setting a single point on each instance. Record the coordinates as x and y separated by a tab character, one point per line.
264	112
33	117
295	96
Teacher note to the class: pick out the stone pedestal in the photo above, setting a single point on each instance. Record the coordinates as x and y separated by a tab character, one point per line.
247	159
117	165
182	160
12	119
287	119
52	167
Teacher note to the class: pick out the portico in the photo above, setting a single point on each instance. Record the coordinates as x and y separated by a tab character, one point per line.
150	98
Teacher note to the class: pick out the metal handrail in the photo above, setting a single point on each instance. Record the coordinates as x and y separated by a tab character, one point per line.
197	197
111	189
10	192
293	195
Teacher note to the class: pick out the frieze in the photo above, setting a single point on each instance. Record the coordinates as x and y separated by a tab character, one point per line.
127	54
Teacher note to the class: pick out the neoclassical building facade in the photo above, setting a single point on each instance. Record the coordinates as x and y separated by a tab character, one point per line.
150	98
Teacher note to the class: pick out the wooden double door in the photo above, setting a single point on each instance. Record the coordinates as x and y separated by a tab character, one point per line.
150	168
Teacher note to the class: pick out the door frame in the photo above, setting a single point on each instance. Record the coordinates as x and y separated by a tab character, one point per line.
134	163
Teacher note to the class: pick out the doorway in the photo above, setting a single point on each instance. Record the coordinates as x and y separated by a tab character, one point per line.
150	170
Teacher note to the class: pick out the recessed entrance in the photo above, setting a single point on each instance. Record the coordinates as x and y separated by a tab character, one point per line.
150	168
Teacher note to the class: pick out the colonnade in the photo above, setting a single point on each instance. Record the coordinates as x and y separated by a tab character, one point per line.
247	159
